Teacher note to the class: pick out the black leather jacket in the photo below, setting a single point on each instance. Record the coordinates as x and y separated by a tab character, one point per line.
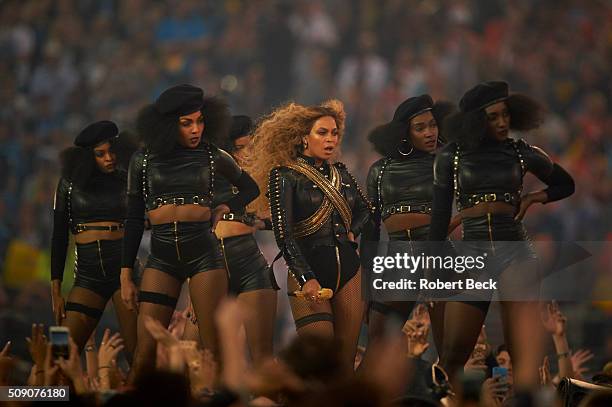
492	172
293	197
181	176
103	198
404	182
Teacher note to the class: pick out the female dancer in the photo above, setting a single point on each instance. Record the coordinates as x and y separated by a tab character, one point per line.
317	211
248	273
90	202
173	179
483	169
400	185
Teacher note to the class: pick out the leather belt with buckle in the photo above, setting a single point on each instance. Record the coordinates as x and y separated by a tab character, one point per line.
110	228
406	209
475	199
195	200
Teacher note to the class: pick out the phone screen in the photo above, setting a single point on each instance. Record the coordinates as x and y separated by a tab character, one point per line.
58	336
500	371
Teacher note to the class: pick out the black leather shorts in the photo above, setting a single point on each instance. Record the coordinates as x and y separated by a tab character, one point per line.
246	266
98	266
183	249
503	240
402	241
500	236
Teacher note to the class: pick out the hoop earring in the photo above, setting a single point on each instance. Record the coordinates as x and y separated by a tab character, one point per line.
399	148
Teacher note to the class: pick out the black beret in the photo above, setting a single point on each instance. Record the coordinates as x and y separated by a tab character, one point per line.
483	95
241	126
96	133
180	100
385	137
412	107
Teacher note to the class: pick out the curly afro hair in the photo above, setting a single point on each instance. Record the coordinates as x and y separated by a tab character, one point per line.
78	164
469	129
160	132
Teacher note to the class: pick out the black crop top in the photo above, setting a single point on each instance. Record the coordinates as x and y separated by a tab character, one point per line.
103	198
404	182
494	167
187	173
182	176
492	172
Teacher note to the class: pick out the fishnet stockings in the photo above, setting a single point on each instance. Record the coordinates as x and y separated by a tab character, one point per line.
145	355
81	325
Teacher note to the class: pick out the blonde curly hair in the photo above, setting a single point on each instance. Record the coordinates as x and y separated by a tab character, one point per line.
277	139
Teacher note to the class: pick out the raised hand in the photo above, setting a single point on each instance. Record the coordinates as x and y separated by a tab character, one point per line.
110	347
202	366
37	345
545	376
108	371
73	368
554	321
475	362
579	358
493	391
416	335
159	333
50	368
6	364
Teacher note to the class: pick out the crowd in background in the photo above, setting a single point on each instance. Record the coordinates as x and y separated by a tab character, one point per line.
65	63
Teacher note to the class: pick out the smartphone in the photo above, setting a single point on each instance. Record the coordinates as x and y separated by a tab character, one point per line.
500	372
58	337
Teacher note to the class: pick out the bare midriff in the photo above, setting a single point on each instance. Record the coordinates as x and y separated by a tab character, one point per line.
226	228
405	221
179	213
484	208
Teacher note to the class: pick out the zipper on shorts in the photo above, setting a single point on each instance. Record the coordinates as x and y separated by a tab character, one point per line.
100	258
490	232
339	268
225	258
176	245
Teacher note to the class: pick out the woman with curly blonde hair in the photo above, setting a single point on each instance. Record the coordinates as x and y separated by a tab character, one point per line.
317	211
